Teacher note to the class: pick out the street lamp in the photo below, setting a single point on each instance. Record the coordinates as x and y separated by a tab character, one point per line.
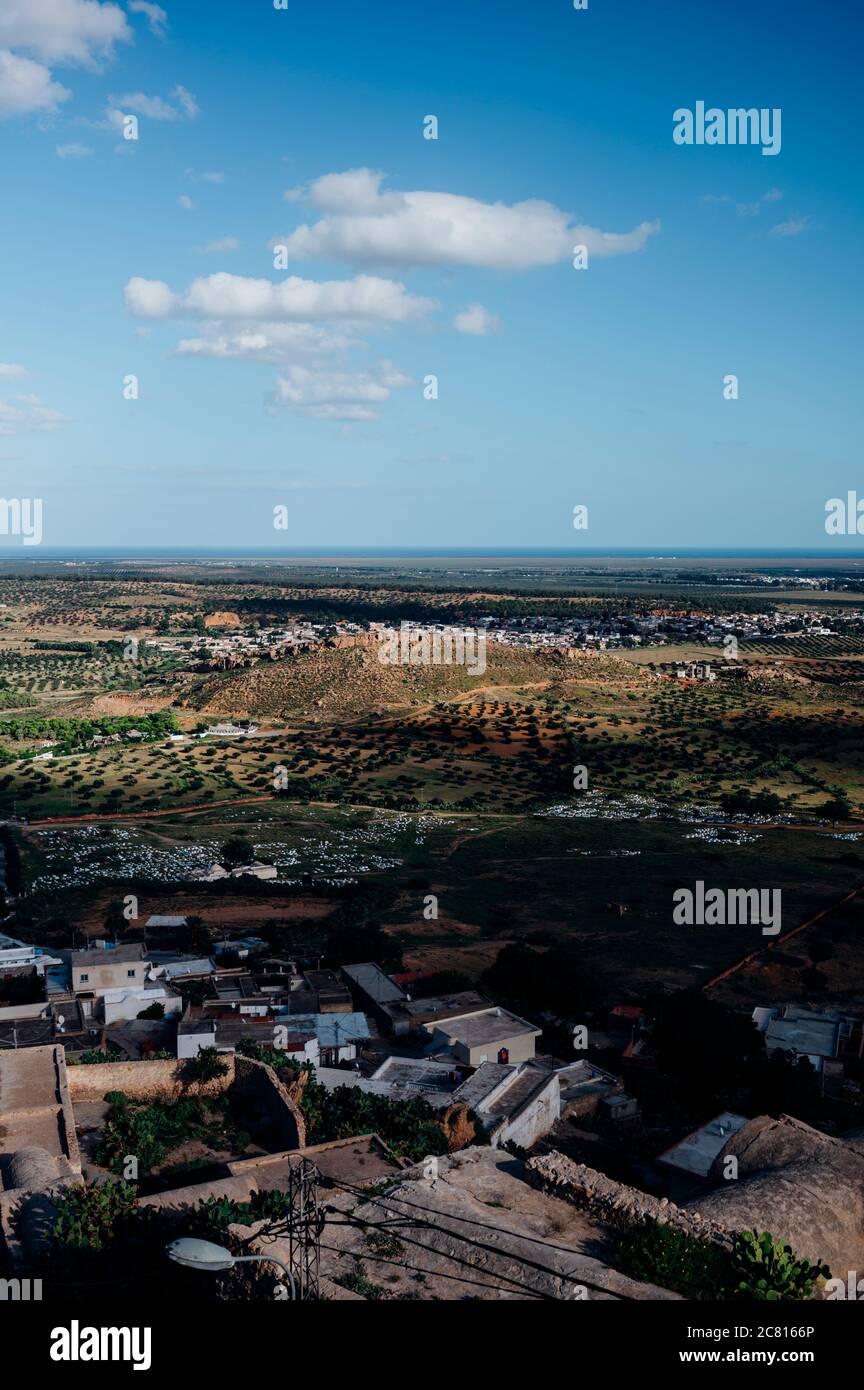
203	1254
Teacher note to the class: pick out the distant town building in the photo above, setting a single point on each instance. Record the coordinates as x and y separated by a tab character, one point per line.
696	671
486	1035
113	983
230	730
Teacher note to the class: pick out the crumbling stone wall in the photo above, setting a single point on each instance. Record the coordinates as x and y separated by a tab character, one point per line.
259	1087
613	1203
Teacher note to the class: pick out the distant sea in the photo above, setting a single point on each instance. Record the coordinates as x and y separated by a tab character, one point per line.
430	552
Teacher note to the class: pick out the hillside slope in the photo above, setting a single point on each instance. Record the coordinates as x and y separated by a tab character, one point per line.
352	681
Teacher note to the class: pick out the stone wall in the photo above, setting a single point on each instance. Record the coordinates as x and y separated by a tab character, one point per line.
259	1087
254	1083
613	1203
68	1135
159	1080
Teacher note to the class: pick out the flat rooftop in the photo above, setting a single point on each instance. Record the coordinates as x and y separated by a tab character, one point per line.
331	1030
697	1152
375	982
364	1158
444	1006
241	987
817	1037
488	1026
108	955
176	969
419	1072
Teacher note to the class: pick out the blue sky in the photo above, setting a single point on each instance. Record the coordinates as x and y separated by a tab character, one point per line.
303	387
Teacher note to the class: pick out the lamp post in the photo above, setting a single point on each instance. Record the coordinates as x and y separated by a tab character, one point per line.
214	1259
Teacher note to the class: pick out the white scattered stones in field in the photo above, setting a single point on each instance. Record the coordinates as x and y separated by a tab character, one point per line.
606	854
87	854
599	806
714	835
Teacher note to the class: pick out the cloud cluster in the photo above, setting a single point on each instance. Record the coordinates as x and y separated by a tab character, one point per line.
38	34
329	395
295	322
364	224
263	321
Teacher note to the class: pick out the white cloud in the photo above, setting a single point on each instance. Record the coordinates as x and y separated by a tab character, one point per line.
224	296
355	191
218	248
753	209
477	321
27	414
745	209
74	151
265	342
208	176
328	395
184	201
70	32
263	321
12	369
26	86
187	101
154	108
149	299
364	224
156	17
794	227
63	32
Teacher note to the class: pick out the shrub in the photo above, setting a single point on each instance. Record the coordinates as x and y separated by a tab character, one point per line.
666	1256
88	1218
206	1066
156	1010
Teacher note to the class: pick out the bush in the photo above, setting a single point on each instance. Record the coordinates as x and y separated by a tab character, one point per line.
206	1066
94	1056
89	1218
666	1256
758	1267
149	1132
154	1011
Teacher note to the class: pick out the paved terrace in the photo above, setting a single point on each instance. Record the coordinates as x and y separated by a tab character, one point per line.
35	1109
